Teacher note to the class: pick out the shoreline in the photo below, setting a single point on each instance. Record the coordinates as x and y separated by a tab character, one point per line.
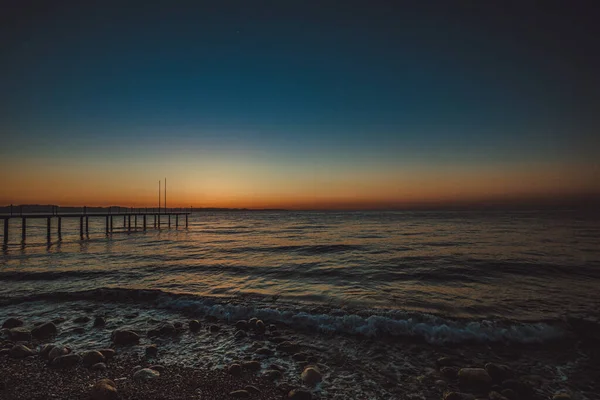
273	356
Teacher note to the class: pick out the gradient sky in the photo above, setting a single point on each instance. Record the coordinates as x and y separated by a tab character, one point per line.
298	104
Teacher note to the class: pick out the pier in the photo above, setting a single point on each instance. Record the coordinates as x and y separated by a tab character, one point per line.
134	219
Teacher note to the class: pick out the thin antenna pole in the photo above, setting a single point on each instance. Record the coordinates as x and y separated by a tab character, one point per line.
159	196
165	194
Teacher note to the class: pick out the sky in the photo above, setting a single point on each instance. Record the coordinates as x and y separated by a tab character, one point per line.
298	104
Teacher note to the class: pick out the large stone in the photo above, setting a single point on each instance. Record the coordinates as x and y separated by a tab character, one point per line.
45	351
240	394
311	376
498	372
299	394
20	351
58	351
447	361
240	335
273	374
194	325
69	360
252	322
125	337
19	334
288	347
235	369
104	389
44	331
107	353
251	365
300	356
12	323
474	379
151	350
449	372
260	326
214	328
523	389
93	357
99	367
146	374
458	396
99	322
241	325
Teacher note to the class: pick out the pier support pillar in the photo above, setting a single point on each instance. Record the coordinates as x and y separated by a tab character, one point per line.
111	224
169	221
23	229
144	222
154	221
48	233
177	221
158	218
87	225
81	227
59	228
129	223
5	230
107	225
186	221
124	222
135	223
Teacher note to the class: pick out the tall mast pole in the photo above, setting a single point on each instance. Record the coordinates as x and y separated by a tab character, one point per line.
165	194
159	196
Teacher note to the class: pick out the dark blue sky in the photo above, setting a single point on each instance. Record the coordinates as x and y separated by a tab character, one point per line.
460	82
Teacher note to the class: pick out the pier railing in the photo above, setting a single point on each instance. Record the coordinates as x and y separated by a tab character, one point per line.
57	210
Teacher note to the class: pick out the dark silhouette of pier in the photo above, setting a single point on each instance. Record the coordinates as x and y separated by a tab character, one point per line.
149	218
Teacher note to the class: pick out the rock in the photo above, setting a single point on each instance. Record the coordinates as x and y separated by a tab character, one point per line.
561	396
145	374
158	368
12	323
99	367
252	389
458	396
211	318
498	372
288	347
449	372
240	335
277	367
474	379
165	329
311	376
19	334
82	319
299	357
241	325
194	325
215	328
299	394
107	353
99	321
252	323
20	351
493	395
264	351
69	360
151	351
259	326
45	351
125	337
92	357
447	362
522	389
178	325
440	384
44	331
58	351
273	374
509	394
104	389
272	328
240	394
4	352
235	369
59	320
251	365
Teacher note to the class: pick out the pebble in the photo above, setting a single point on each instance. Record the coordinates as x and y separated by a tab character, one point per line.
107	353
145	374
252	322
288	347
194	325
12	323
82	319
259	326
151	350
93	357
240	394
99	367
58	351
159	368
125	337
45	351
311	376
273	374
65	361
104	389
299	394
235	369
474	379
251	365
459	396
19	334
99	321
20	351
498	372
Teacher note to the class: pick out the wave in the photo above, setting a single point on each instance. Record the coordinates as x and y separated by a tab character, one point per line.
367	323
297	249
